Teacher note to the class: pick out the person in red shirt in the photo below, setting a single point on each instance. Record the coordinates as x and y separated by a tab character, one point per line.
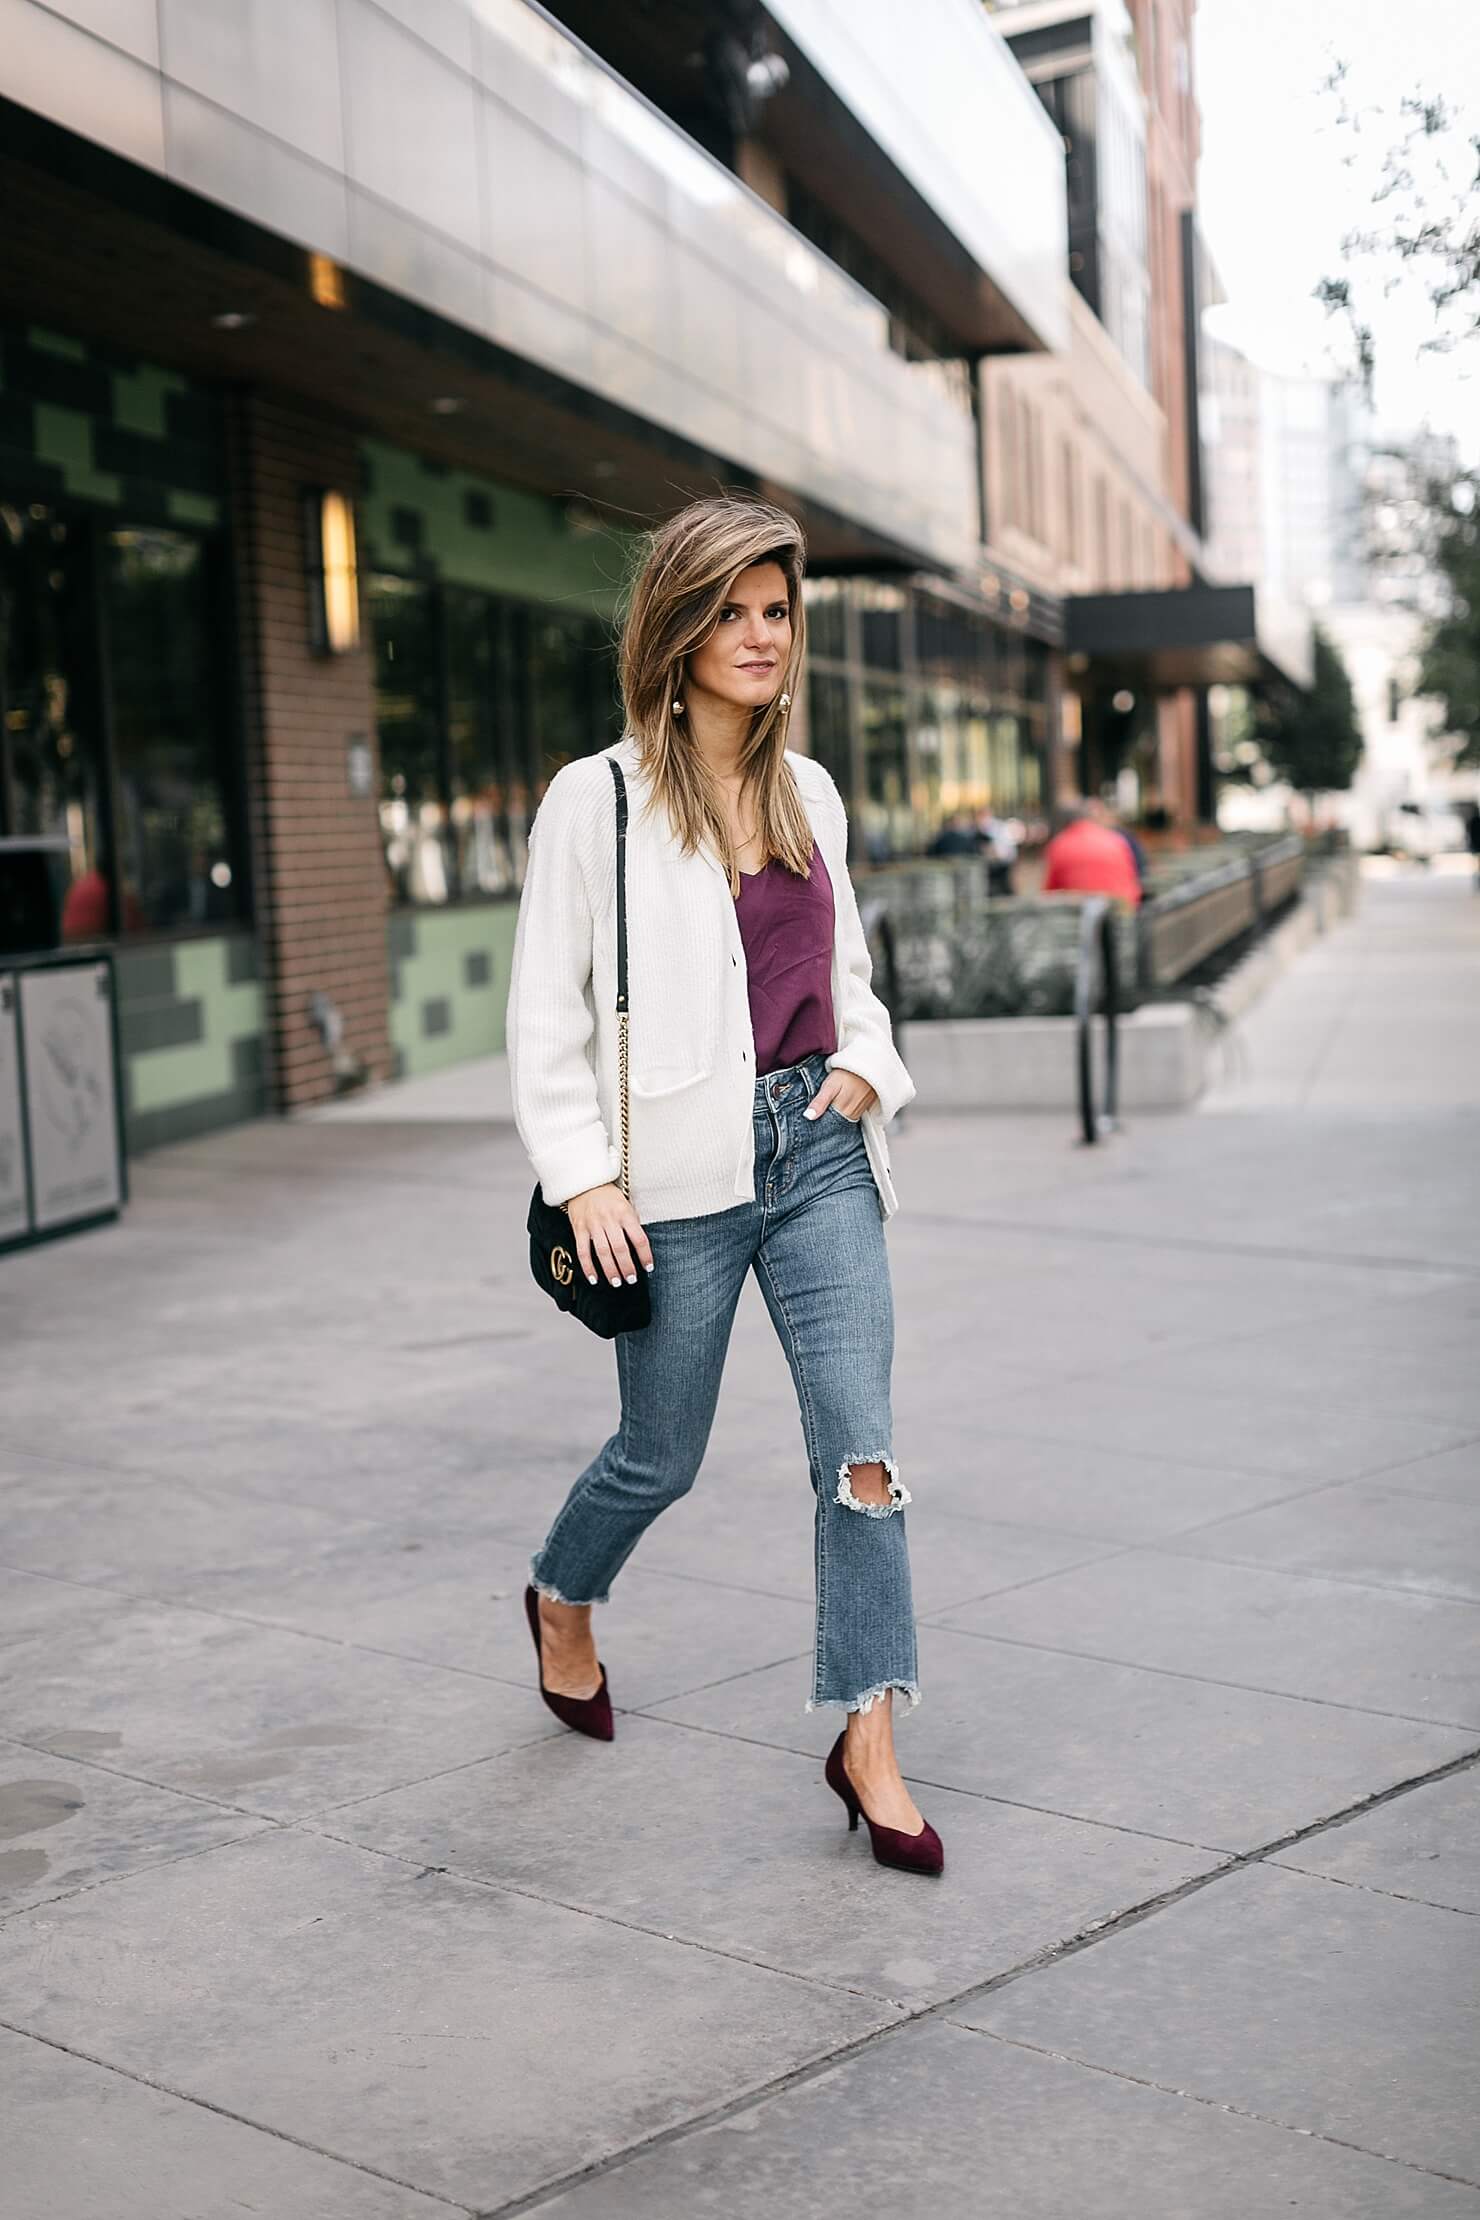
1086	858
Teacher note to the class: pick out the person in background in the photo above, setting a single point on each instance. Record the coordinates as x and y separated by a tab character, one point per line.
1084	857
86	914
958	836
1104	814
999	841
1472	838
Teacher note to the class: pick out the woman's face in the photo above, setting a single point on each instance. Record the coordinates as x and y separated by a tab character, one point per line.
744	658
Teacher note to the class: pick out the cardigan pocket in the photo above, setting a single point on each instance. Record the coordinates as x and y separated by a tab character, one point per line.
680	966
659	1080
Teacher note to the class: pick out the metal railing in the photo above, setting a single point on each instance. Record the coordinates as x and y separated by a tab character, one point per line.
878	931
1096	979
1181	926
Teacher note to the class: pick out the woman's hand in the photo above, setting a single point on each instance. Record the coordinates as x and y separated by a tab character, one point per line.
609	1235
844	1092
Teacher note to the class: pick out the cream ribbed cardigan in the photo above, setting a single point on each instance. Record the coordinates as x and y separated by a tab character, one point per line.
692	1051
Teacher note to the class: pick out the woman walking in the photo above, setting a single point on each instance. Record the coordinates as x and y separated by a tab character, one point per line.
762	1075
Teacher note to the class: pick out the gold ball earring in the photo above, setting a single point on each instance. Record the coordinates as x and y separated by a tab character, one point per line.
677	706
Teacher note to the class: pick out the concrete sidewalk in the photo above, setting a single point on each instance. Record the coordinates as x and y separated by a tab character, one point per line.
312	1910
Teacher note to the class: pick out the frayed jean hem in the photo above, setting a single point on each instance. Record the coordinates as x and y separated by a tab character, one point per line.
547	1589
869	1697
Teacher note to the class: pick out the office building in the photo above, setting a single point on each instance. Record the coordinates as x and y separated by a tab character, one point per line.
1097	458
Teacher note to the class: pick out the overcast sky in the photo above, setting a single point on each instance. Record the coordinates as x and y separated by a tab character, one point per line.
1276	193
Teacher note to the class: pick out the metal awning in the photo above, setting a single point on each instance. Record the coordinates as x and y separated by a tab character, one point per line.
1198	635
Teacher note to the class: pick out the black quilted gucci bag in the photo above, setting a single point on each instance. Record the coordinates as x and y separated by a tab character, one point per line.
607	1310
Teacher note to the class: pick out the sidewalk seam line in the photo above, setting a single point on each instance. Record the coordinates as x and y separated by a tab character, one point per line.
1371	1888
422	1871
154	1599
242	2119
1319	1572
1318	1487
150	1865
949	1788
1208	1680
1215	2104
1133	1915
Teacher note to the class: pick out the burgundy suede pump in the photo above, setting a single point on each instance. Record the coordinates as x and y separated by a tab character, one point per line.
921	1853
585	1714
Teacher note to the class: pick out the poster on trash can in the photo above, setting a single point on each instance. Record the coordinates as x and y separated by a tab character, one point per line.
67	1030
15	1212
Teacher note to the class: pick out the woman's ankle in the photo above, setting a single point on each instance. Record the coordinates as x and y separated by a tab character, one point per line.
868	1737
564	1618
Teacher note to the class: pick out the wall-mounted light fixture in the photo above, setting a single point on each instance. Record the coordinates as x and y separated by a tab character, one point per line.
326	281
333	572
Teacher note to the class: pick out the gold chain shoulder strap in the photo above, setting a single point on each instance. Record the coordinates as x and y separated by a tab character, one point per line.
622	1012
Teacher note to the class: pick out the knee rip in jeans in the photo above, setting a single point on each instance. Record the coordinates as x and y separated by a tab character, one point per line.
898	1494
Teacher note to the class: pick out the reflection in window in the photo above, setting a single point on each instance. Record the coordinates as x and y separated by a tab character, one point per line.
883	609
413	813
888	820
951	709
51	755
828	726
572	687
172	836
480	700
827	625
490	784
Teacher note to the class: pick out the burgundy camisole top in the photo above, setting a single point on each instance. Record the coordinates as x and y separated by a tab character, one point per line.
786	925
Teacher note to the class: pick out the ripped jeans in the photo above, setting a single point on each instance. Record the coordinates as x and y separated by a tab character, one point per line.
814	1238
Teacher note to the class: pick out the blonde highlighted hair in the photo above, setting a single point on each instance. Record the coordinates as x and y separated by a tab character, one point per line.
681	586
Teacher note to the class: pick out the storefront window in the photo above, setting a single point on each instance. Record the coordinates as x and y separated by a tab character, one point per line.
108	634
479	700
888	820
827	629
933	747
173	832
828	726
951	706
1005	759
51	744
414	816
571	688
883	610
490	781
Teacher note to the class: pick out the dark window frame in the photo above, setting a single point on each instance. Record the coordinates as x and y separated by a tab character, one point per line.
510	617
91	528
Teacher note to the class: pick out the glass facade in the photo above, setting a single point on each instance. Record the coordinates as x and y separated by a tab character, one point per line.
479	701
114	735
921	706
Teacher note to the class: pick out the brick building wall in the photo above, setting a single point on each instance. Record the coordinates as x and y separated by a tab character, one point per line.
318	877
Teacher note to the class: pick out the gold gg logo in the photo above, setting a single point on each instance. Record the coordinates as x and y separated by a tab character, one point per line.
562	1267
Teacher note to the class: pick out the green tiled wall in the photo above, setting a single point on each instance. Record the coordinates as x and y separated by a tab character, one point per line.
449	984
190	1022
450	968
79	421
425	520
